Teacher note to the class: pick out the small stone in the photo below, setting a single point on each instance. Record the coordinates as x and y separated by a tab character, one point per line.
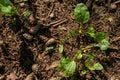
27	36
51	15
50	42
35	68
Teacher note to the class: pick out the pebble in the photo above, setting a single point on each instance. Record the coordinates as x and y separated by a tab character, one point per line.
28	36
50	42
51	15
35	68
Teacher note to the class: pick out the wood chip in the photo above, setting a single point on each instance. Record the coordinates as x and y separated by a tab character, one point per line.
53	65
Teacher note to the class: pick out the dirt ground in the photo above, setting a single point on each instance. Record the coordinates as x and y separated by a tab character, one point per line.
22	46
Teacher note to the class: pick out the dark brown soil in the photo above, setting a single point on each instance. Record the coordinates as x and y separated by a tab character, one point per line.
22	51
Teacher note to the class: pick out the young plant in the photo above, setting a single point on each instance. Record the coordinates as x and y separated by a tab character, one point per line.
68	66
7	8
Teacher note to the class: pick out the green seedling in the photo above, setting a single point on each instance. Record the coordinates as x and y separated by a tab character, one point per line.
7	8
69	66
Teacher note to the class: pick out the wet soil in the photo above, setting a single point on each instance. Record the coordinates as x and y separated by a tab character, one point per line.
23	41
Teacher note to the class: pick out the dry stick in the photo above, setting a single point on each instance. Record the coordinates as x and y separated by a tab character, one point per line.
50	10
65	20
55	22
117	2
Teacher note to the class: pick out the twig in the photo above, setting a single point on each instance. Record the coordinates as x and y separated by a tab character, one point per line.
57	21
117	2
65	20
50	10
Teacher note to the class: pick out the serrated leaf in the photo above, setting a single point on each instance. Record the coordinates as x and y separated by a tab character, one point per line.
91	55
98	66
81	13
60	48
103	44
91	32
70	68
79	54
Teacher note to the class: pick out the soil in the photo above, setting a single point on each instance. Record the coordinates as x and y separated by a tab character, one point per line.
23	43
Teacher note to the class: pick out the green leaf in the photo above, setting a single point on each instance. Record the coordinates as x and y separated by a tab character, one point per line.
91	55
88	65
79	54
5	2
95	66
63	62
70	68
98	66
61	48
7	8
91	32
103	44
99	36
81	13
83	72
49	48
